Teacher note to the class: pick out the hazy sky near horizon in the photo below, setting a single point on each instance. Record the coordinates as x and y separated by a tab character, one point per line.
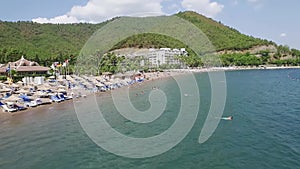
275	20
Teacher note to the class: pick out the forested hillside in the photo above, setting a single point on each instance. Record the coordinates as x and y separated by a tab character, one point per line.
46	43
43	42
221	36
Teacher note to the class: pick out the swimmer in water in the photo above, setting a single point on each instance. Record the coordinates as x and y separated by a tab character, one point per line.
227	118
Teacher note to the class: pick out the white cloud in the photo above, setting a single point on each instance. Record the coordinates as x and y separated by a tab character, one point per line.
205	7
173	8
253	1
235	2
58	19
99	10
257	4
282	35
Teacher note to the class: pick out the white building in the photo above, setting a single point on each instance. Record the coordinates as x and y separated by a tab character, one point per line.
165	56
153	57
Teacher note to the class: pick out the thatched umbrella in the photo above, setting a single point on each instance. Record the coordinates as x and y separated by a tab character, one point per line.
19	82
23	91
2	84
108	83
7	82
61	90
39	93
12	98
100	84
14	85
5	90
28	87
43	88
61	86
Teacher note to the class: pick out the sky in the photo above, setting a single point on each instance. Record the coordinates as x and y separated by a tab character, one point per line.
275	20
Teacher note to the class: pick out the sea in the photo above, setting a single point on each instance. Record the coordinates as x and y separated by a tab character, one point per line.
264	132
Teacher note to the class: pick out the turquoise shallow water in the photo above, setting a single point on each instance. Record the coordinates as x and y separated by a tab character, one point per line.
264	133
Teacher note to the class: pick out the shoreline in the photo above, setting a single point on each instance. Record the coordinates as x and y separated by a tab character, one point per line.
32	110
234	68
29	111
149	78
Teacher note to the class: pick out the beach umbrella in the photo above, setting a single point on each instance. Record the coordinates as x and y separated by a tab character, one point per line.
100	84
14	85
39	93
60	80
22	91
51	77
12	98
61	86
2	84
108	83
28	87
43	88
61	90
6	82
46	85
72	80
76	88
19	82
5	90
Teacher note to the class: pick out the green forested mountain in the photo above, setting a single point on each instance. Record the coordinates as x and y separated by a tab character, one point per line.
43	42
46	43
149	40
222	37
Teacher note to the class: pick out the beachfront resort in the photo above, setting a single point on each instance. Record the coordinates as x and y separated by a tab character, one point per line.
39	87
35	91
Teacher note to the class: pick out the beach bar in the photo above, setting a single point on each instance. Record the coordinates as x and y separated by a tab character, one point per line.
24	66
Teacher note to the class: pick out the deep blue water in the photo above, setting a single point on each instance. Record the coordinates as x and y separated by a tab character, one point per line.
264	133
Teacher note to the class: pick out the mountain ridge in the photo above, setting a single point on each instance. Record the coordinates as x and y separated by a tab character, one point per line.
46	43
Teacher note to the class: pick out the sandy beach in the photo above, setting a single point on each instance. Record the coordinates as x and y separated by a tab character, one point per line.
149	77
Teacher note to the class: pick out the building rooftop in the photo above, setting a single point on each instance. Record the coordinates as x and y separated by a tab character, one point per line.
24	65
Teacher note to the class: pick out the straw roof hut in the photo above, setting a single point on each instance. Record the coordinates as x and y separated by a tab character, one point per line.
25	66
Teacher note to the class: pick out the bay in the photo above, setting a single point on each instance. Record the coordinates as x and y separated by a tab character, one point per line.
263	134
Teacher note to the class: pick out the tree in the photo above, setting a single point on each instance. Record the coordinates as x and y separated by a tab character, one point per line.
37	59
110	63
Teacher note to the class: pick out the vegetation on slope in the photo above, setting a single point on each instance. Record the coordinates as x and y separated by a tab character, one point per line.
221	36
43	43
149	40
46	43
